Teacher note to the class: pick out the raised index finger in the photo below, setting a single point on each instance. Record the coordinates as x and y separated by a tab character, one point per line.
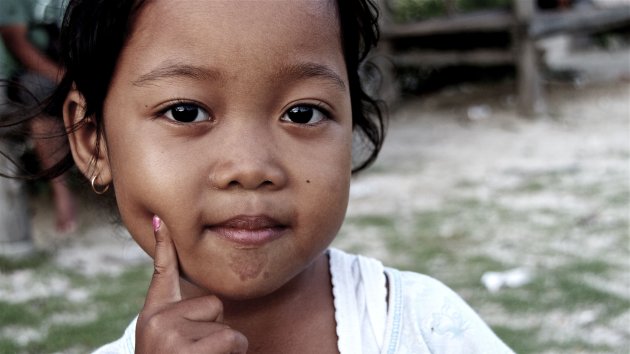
164	288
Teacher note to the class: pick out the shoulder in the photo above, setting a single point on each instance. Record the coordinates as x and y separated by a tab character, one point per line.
420	287
124	345
428	309
415	313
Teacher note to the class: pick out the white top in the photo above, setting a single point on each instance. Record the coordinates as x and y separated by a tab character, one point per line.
383	310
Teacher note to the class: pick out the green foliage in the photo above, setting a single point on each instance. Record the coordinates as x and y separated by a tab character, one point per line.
411	10
113	301
473	5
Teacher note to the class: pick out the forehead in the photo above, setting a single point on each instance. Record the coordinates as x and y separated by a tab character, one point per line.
238	33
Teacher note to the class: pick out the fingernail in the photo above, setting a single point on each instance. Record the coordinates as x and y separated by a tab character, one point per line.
156	223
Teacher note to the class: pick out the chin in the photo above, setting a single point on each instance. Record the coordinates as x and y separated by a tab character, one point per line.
231	289
245	294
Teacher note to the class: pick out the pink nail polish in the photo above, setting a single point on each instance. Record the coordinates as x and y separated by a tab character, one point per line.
156	223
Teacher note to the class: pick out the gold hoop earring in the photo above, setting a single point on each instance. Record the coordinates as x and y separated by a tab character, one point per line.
95	188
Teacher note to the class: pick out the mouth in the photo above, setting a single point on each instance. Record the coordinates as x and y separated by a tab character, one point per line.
250	231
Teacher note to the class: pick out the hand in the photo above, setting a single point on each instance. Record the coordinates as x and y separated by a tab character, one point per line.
168	324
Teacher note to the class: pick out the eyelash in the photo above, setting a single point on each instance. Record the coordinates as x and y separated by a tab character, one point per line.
316	107
182	103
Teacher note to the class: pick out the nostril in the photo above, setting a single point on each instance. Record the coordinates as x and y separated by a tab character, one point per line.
249	175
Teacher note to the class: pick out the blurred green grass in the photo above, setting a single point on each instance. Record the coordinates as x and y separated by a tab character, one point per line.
111	303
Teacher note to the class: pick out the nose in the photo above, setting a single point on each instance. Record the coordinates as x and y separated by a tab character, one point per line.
249	165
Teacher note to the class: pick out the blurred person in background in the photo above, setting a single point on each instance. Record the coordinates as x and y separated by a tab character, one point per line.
29	30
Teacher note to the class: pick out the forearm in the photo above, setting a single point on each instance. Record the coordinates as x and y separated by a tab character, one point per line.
31	58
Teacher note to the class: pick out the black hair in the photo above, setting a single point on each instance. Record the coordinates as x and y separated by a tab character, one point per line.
94	33
358	20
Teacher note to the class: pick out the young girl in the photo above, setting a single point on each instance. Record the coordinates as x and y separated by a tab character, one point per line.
225	131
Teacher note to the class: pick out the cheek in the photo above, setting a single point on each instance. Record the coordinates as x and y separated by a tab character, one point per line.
150	179
325	185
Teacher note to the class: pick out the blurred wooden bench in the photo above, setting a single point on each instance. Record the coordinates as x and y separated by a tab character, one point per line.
524	24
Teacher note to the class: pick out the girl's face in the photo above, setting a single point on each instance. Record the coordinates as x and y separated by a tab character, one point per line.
231	120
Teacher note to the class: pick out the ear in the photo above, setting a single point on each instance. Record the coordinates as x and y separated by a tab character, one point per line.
87	142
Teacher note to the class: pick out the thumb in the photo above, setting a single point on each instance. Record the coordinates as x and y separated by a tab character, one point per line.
164	288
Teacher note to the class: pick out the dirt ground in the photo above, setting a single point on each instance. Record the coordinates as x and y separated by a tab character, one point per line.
465	149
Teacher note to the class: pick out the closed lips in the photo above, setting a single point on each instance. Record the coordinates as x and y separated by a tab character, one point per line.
249	222
250	230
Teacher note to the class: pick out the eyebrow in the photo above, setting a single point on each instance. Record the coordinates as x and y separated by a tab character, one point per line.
308	70
295	72
177	70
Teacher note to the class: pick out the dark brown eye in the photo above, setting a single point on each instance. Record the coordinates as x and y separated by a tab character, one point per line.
186	113
304	115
